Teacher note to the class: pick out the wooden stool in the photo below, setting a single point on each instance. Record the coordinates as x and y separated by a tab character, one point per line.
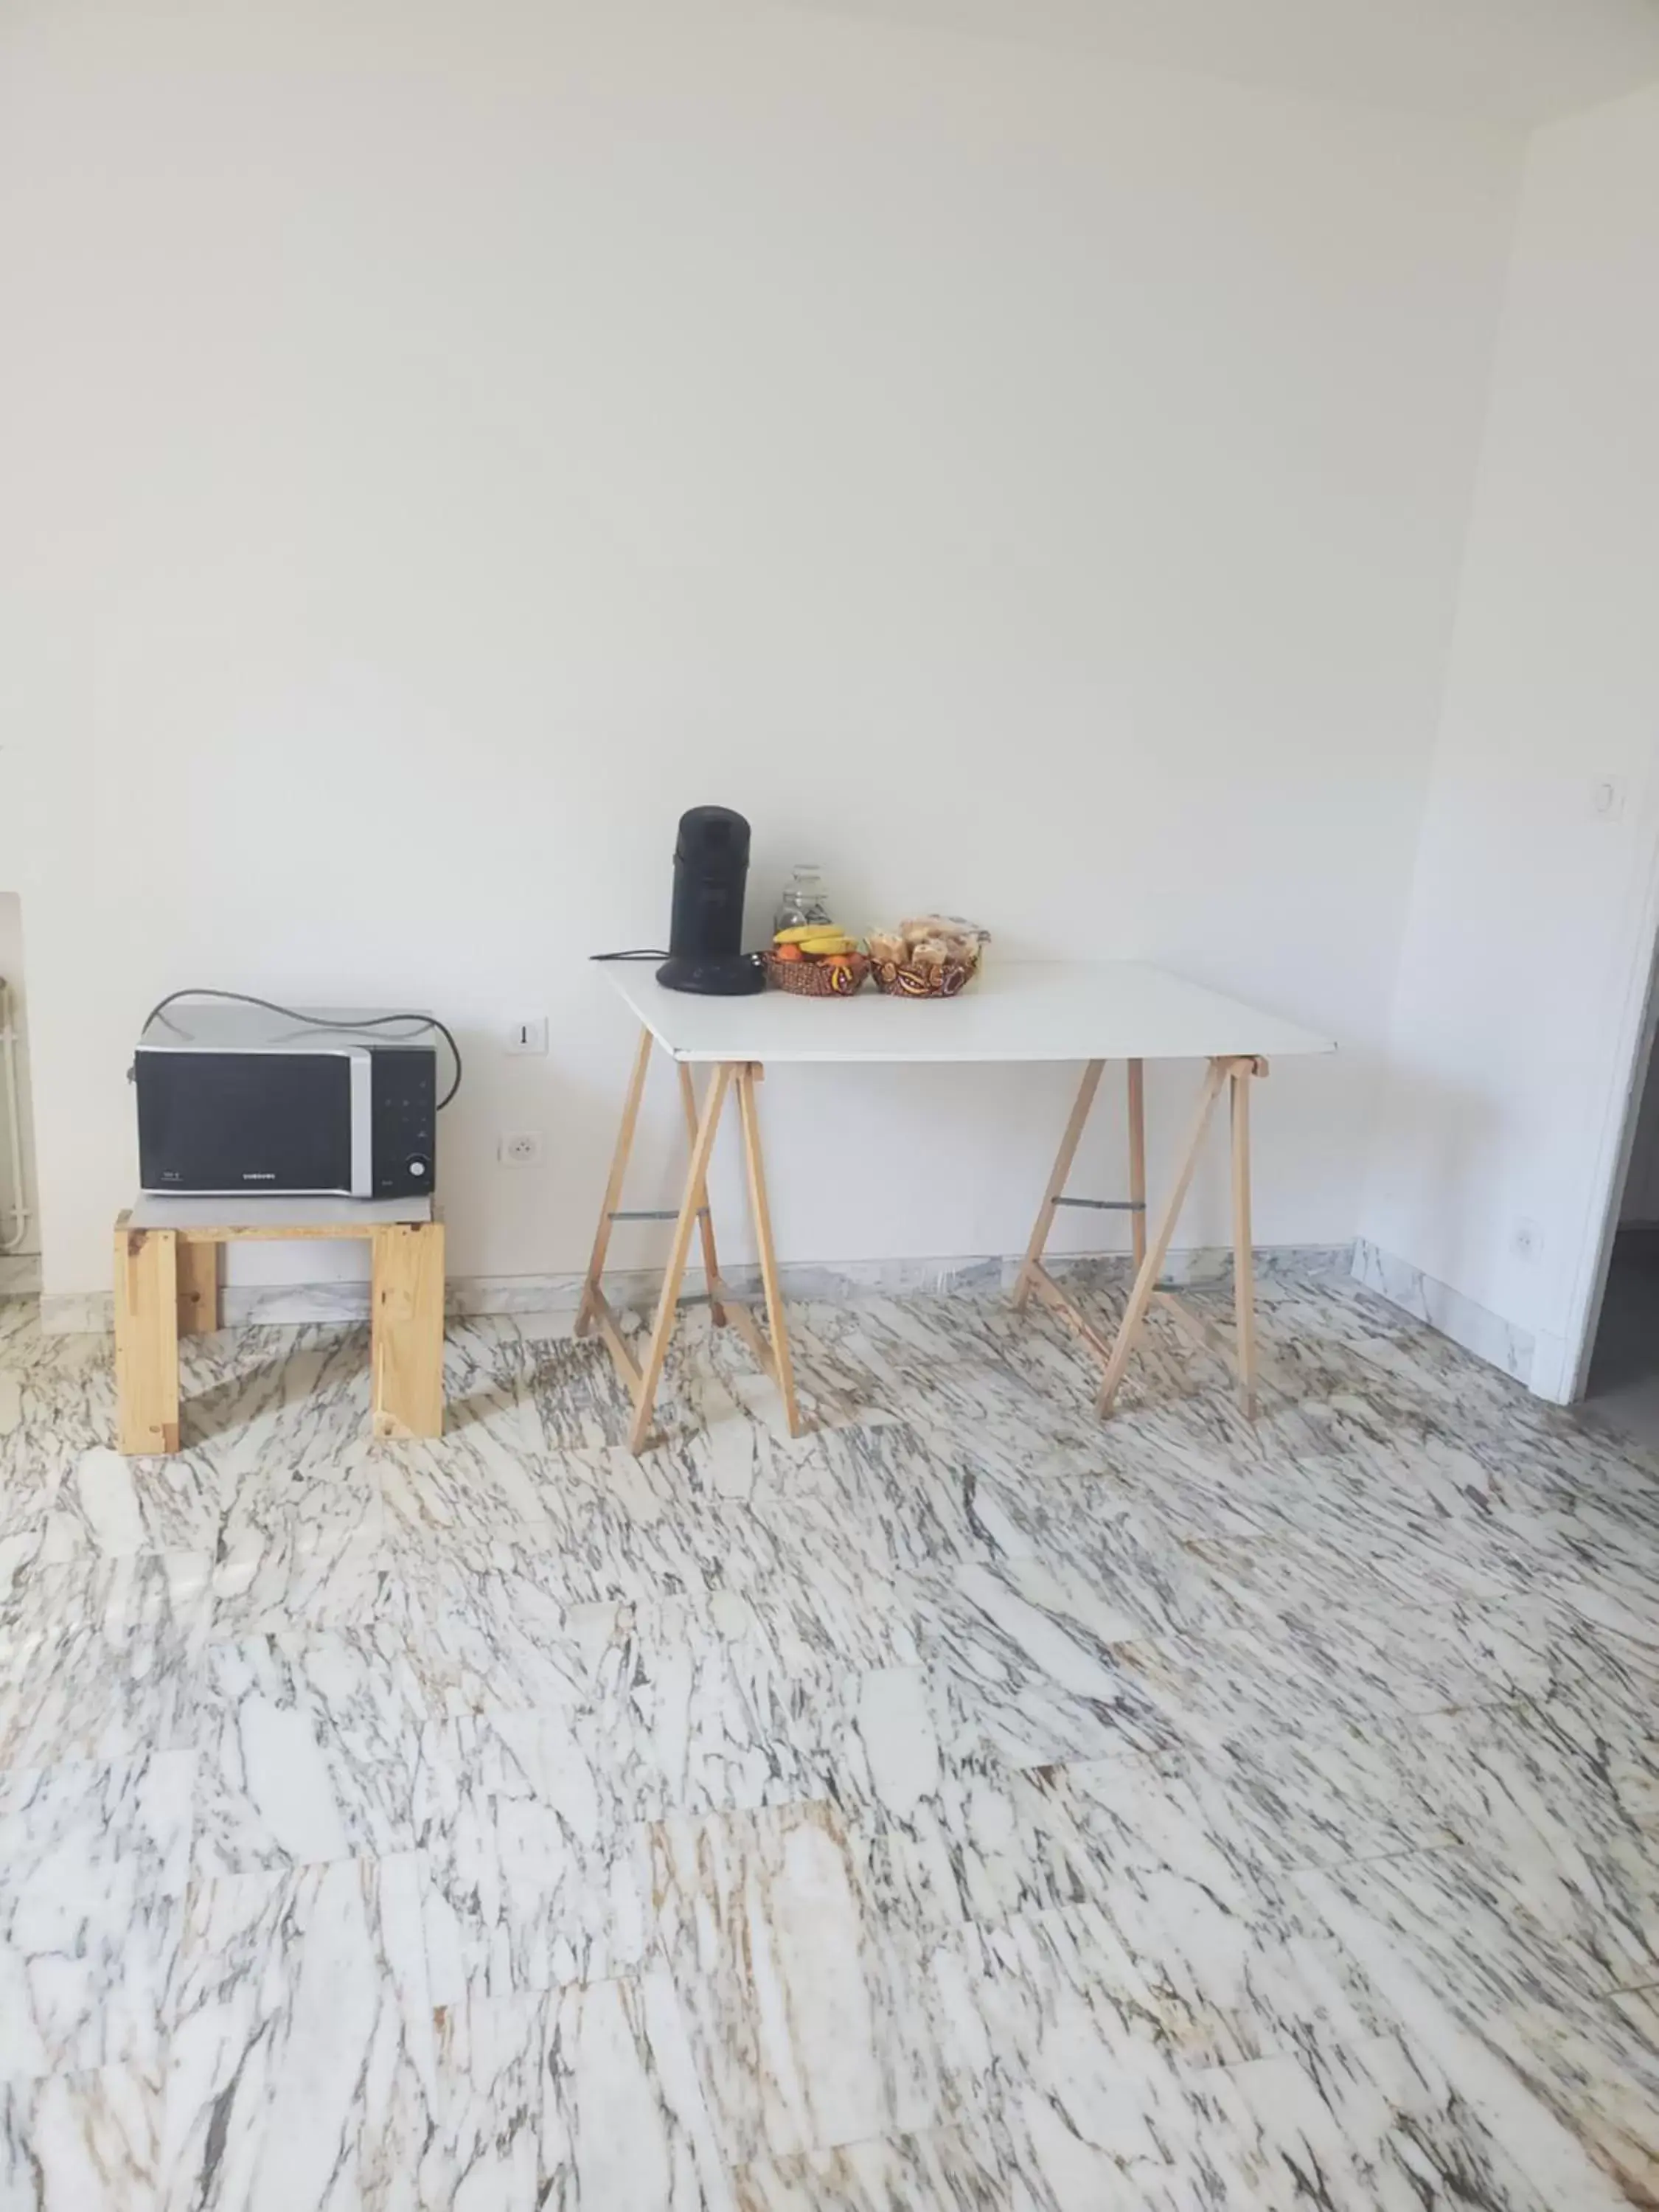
166	1285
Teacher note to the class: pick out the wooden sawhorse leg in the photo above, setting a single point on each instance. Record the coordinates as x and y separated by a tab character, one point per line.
590	1314
775	1358
771	1350
146	1339
711	1266
1240	1076
1033	1275
1138	1160
1231	1072
406	1329
643	1376
648	1373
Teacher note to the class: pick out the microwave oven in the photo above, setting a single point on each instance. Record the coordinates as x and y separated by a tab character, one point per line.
234	1098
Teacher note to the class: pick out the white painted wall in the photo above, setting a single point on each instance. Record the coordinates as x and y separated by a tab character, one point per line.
1524	60
1525	965
439	444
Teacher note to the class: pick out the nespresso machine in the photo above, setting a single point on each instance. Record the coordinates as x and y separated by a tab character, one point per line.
705	933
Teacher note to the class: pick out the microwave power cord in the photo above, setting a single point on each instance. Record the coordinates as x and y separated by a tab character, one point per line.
316	1022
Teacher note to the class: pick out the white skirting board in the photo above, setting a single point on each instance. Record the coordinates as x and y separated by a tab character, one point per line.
68	1313
1489	1337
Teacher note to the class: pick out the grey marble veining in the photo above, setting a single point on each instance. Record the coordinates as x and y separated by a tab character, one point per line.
102	1659
1462	1319
300	2063
96	1861
308	1744
966	1804
588	2098
69	2141
536	1873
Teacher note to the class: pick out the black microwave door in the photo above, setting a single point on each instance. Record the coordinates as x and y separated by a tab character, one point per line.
243	1121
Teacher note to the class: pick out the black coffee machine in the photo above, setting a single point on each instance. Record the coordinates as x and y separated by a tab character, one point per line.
705	932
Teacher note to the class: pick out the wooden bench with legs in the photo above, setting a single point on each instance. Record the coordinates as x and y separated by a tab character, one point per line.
168	1286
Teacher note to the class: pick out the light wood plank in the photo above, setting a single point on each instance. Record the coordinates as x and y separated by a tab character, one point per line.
754	1336
263	1215
618	1175
1241	1077
667	1304
1072	1314
616	1344
146	1340
1145	1283
1062	1168
282	1232
783	1366
1203	1334
742	1319
407	1330
198	1271
711	1265
1137	1103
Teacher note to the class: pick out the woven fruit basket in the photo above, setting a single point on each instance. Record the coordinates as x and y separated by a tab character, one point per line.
930	955
939	980
818	979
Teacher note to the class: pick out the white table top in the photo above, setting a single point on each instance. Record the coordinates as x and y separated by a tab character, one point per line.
1015	1011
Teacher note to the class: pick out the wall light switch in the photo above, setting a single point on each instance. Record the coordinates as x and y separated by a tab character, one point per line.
1607	797
527	1034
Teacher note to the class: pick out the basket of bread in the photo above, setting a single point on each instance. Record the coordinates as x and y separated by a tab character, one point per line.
931	955
816	961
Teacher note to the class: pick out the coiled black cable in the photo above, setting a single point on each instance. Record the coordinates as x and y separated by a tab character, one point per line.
319	1021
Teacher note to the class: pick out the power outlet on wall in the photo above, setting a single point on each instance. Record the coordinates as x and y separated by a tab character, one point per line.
1528	1241
521	1148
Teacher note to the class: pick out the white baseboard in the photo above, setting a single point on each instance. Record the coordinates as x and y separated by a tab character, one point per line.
1486	1334
67	1313
1516	1350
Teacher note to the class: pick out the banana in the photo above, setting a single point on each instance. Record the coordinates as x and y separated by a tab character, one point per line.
811	929
833	941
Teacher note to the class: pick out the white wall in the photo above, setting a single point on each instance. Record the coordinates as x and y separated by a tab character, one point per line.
441	443
1532	923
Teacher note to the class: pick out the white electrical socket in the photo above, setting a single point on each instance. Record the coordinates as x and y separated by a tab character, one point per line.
526	1034
521	1149
1528	1239
1607	797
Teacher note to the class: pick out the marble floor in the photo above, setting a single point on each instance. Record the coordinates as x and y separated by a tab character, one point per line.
1623	1376
965	1806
